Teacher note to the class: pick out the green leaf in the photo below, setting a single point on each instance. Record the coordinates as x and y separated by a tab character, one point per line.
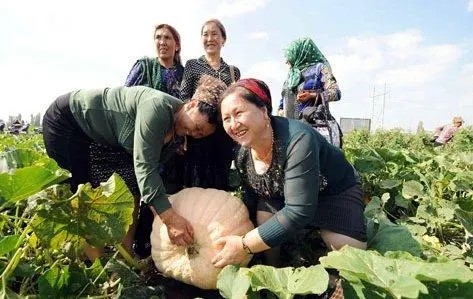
448	290
97	216
465	218
53	281
289	281
233	282
8	244
463	181
23	182
412	189
374	209
402	202
389	184
398	277
393	237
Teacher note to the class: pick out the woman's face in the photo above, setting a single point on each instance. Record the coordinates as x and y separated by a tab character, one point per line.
166	46
212	38
194	123
243	121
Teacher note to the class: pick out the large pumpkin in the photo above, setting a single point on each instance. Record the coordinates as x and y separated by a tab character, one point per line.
212	213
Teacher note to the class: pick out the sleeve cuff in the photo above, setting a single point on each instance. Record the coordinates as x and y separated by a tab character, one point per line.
272	232
161	204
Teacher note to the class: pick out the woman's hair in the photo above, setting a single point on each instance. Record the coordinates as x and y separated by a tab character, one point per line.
209	95
220	26
175	36
254	91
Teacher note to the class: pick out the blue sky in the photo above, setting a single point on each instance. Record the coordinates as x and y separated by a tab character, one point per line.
415	56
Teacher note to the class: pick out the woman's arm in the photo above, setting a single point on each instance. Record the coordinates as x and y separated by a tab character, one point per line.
331	90
135	76
188	84
301	189
330	87
152	123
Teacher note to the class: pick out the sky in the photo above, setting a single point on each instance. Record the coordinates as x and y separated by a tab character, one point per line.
397	63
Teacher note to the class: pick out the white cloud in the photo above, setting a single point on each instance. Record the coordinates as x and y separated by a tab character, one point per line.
398	59
470	5
260	35
231	8
274	73
418	77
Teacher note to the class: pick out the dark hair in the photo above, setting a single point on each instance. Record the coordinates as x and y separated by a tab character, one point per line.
250	96
212	112
220	26
176	37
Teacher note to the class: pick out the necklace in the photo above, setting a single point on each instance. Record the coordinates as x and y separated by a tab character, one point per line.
266	158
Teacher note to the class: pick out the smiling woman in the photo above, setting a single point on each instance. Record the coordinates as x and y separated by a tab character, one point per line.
208	161
292	179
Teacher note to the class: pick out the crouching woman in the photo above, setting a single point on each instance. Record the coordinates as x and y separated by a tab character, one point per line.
291	175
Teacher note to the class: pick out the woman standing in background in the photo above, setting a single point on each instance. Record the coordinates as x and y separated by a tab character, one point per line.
207	161
163	72
309	74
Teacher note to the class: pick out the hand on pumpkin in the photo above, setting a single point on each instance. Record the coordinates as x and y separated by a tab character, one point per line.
231	252
180	231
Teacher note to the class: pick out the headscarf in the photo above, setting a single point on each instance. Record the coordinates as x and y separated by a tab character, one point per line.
209	90
300	54
259	88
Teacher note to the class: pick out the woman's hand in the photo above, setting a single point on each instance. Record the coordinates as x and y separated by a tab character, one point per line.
231	252
305	95
180	231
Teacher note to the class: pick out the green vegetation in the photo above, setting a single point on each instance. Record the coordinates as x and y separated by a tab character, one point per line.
420	228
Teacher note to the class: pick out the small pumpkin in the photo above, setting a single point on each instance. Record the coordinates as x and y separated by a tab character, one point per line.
213	214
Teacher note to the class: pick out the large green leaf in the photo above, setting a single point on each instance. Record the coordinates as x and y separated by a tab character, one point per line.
286	282
412	189
397	276
233	282
23	182
392	237
97	216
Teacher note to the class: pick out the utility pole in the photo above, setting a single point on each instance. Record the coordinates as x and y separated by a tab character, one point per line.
380	115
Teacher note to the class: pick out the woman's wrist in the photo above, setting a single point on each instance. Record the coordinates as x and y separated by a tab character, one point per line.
245	246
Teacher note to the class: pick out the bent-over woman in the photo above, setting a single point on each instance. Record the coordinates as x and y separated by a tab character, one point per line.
131	128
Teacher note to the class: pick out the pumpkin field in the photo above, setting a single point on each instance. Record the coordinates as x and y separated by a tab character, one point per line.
419	206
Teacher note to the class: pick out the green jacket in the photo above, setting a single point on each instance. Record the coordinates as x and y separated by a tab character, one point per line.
136	119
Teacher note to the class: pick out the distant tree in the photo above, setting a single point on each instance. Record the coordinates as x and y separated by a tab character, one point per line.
35	120
420	127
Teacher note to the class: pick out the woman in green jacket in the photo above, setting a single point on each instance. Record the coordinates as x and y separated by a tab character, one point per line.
128	130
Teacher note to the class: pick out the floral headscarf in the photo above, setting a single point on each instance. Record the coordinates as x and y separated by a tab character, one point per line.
300	54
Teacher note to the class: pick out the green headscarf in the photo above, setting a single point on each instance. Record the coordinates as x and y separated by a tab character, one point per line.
300	54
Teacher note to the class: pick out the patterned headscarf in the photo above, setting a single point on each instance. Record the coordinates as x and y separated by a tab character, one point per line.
300	54
209	90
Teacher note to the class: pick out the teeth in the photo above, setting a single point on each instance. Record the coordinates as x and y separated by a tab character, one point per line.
240	133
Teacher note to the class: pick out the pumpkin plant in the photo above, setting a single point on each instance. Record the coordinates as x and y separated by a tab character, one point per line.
213	214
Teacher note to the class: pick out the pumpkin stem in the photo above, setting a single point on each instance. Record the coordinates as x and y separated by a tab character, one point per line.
192	250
